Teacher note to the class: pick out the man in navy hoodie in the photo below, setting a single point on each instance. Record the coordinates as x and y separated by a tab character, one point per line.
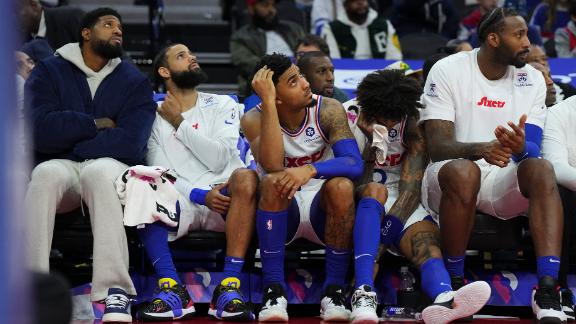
91	117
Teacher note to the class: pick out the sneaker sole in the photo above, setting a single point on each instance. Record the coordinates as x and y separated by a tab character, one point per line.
569	313
276	317
231	317
187	313
468	300
336	315
365	319
116	317
550	320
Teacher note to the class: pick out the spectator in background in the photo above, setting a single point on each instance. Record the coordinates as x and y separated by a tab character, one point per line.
91	117
37	49
318	69
311	43
550	90
549	16
563	90
469	23
361	34
324	12
433	16
559	147
59	26
264	35
565	37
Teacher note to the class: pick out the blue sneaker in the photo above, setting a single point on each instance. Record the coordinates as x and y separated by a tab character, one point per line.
228	303
170	304
117	307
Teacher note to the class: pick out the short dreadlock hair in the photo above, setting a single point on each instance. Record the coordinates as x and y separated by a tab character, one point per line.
493	21
389	94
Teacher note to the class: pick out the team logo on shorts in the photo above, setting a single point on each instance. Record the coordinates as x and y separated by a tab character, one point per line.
269	225
310	131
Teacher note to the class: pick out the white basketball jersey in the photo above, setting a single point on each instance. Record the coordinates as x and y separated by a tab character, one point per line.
388	172
307	145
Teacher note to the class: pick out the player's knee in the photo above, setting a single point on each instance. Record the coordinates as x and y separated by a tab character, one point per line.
539	172
460	178
98	172
376	191
339	189
244	182
50	174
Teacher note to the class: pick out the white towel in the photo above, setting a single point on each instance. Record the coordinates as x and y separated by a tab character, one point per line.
380	141
148	196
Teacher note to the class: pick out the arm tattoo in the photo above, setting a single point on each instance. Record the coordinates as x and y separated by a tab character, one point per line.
443	146
412	172
369	158
333	119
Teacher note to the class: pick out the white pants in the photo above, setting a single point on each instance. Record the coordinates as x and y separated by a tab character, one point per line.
195	217
60	186
499	193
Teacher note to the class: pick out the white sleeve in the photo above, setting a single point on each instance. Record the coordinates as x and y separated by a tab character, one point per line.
555	146
213	145
156	154
331	41
537	114
438	97
393	49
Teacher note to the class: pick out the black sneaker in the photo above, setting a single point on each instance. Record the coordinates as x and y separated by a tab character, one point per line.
546	302
274	304
169	304
457	304
567	299
332	305
228	304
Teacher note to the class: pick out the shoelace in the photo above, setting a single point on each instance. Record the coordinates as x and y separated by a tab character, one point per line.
117	301
364	301
336	299
547	298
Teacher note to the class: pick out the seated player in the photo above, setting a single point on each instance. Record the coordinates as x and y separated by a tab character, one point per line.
386	129
308	157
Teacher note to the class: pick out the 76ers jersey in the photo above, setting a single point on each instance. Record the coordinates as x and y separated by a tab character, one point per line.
388	172
307	145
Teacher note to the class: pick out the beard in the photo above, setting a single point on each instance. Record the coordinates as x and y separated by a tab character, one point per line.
188	79
356	17
264	23
107	50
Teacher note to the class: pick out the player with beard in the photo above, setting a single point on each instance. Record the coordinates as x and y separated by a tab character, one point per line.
265	34
92	115
308	159
195	136
318	69
483	160
361	34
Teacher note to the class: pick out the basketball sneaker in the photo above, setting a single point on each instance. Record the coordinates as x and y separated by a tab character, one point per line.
274	305
332	307
364	303
228	303
170	303
454	305
546	302
117	307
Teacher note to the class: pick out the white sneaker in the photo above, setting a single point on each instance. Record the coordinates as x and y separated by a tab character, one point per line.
364	302
274	305
546	302
453	305
332	307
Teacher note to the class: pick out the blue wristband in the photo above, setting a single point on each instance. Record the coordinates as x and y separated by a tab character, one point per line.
391	231
198	196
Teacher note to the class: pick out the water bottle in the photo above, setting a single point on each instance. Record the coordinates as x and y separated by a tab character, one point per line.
406	295
407	279
394	313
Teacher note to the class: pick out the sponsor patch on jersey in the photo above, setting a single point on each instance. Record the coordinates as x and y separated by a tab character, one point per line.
431	91
310	131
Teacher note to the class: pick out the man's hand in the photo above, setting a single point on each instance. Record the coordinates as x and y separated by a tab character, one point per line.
171	110
290	180
216	201
103	123
515	139
366	127
497	154
263	85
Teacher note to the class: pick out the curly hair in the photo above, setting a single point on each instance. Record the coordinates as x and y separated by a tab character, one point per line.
278	63
389	94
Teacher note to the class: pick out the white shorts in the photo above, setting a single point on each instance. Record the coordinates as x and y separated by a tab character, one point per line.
418	215
308	202
194	217
499	193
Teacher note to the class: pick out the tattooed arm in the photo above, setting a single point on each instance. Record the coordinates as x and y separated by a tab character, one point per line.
442	145
334	121
412	172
